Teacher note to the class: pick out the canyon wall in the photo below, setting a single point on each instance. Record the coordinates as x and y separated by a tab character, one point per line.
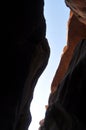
66	107
79	9
25	56
76	32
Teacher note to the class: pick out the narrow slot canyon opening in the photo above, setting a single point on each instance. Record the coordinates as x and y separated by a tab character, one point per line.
56	15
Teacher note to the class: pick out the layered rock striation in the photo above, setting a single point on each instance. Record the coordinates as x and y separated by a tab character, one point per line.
79	9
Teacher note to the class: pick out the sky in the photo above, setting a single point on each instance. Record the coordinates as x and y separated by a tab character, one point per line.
56	14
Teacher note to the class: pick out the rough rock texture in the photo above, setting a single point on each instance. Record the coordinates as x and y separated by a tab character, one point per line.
76	32
79	9
26	55
67	108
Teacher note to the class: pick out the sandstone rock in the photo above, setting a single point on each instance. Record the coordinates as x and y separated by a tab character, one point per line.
79	9
67	109
76	32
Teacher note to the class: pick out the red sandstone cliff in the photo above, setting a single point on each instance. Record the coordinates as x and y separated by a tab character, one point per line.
76	32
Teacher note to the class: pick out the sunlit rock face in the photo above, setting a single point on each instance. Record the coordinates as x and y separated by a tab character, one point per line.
79	9
76	32
26	52
67	106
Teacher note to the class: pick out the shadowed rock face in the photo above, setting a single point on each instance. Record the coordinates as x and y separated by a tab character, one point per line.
76	32
26	57
79	9
67	106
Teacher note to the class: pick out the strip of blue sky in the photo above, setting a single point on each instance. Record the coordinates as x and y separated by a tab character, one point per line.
56	14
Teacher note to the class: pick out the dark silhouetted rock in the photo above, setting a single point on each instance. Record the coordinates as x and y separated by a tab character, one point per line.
67	105
25	56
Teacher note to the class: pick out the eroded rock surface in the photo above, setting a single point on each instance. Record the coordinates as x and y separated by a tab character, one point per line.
76	32
79	9
67	107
